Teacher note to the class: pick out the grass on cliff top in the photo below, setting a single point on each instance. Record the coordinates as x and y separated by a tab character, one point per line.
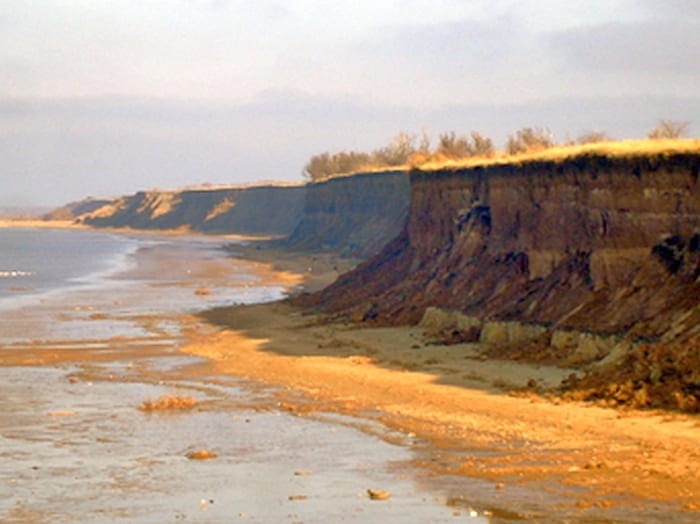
613	149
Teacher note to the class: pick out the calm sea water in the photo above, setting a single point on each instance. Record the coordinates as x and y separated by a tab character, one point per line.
56	283
34	261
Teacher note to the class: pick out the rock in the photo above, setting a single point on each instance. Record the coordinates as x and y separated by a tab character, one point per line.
616	355
375	494
449	327
201	454
565	340
501	333
582	348
494	333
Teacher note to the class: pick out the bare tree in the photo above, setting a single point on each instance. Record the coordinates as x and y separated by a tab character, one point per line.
481	145
318	167
529	139
325	165
397	152
425	141
592	137
669	129
453	146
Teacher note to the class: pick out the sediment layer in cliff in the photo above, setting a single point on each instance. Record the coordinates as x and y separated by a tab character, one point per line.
353	215
593	242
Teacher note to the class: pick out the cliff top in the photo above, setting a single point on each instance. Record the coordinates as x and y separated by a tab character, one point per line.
224	187
612	149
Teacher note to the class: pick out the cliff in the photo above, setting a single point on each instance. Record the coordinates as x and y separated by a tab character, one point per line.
74	210
253	210
354	215
592	242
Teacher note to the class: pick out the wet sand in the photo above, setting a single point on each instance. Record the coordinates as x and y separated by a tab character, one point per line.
74	447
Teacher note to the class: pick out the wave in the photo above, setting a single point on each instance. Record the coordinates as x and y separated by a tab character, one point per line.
15	273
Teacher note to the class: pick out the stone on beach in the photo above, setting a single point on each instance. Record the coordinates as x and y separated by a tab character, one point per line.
375	494
201	454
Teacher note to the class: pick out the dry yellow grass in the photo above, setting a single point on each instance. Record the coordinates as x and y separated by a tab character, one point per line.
612	148
168	402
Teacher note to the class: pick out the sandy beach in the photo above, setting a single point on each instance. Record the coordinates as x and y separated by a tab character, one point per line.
494	426
473	428
35	223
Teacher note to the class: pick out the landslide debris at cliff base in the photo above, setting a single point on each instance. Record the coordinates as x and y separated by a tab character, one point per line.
612	370
651	375
604	247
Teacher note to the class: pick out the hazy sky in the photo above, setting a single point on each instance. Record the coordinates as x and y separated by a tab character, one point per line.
107	97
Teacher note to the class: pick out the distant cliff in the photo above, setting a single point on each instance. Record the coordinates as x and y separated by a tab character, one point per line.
354	215
591	242
74	210
254	210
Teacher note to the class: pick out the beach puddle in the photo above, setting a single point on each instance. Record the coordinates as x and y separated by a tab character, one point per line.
81	451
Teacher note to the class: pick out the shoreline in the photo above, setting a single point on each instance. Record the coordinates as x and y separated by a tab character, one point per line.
70	224
7	223
602	461
458	400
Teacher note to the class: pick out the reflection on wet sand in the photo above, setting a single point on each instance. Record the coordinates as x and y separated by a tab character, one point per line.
75	447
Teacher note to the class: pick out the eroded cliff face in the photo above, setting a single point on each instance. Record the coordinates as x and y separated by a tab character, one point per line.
594	243
254	210
354	215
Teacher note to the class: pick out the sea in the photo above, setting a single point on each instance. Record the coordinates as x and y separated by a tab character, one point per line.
75	448
43	269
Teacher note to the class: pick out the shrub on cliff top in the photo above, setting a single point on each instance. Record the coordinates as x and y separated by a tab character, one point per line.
528	140
452	146
396	153
592	137
669	129
323	166
475	149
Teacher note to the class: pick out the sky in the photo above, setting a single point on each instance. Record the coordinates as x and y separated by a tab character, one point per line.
109	97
